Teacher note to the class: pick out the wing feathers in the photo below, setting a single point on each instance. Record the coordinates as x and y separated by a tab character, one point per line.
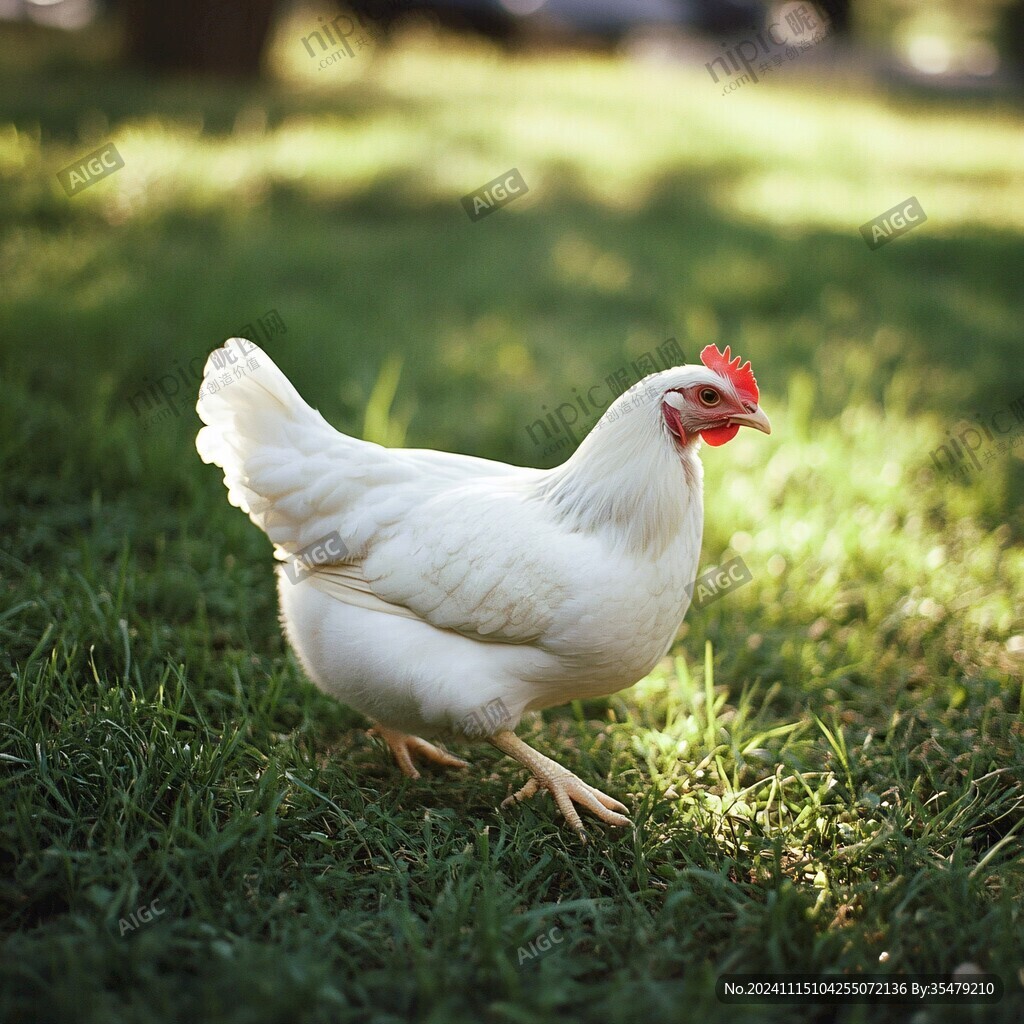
453	541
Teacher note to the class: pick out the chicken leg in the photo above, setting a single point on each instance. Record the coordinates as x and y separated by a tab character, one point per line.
560	783
403	746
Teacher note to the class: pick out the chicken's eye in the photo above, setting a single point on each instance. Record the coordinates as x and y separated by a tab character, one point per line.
709	396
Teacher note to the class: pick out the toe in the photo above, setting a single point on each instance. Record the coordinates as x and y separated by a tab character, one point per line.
565	805
522	794
568	788
436	754
589	798
405	761
403	746
608	801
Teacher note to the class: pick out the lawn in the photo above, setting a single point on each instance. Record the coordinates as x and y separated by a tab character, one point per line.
827	773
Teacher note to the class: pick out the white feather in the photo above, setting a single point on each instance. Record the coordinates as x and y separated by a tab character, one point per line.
466	580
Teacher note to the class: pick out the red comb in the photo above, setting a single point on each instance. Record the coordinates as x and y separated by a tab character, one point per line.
742	377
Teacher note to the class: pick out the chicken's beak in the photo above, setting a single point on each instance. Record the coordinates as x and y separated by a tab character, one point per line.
755	419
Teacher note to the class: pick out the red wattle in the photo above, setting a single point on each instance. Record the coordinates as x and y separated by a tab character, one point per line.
716	436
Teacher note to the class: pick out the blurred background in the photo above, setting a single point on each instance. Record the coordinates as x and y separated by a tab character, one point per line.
695	170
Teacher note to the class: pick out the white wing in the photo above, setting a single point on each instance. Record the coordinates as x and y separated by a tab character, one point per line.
297	477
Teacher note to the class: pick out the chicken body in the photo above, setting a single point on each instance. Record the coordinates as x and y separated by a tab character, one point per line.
460	583
567	614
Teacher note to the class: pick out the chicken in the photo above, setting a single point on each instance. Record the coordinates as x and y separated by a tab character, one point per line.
444	595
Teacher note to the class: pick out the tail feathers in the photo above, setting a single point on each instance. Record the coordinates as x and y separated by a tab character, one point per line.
261	433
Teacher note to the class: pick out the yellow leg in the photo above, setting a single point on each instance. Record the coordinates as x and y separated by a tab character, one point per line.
403	746
560	783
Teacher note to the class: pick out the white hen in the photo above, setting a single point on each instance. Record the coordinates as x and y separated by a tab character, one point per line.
441	594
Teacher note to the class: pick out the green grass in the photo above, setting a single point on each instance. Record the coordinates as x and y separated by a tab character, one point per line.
826	775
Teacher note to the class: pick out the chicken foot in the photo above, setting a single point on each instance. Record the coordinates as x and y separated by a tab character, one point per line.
560	783
403	746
